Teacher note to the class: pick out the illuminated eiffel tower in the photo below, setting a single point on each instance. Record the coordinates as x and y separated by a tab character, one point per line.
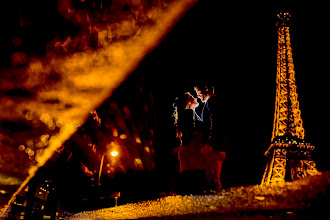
289	156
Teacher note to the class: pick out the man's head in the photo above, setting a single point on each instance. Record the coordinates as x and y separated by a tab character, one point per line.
204	91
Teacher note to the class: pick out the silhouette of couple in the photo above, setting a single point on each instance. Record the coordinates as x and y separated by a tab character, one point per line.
202	142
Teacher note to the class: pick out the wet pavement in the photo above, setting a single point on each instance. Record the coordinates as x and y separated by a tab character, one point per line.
303	199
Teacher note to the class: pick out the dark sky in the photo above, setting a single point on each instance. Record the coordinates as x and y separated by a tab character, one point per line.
236	48
235	45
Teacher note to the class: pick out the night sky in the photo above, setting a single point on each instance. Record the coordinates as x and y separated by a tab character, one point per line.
235	46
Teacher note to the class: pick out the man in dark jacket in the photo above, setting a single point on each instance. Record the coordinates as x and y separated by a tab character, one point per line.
214	136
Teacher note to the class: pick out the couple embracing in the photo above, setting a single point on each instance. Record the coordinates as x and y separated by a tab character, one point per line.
203	141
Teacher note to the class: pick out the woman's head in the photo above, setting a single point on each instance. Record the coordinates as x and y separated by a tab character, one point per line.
190	101
183	102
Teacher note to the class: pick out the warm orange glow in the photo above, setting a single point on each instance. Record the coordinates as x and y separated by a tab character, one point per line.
138	140
287	145
288	148
115	132
138	162
68	85
287	117
114	153
96	117
123	136
21	147
147	149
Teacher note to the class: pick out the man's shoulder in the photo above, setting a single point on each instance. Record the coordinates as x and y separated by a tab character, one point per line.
212	99
211	103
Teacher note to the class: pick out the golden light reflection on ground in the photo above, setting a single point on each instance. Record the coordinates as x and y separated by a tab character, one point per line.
302	199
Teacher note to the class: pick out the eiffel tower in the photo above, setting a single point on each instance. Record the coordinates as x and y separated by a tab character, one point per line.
289	156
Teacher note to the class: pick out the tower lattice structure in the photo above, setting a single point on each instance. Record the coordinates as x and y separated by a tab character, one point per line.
289	156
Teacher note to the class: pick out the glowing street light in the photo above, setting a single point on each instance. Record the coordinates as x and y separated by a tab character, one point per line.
114	153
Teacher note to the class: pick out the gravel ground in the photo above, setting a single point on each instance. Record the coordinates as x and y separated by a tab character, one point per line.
303	199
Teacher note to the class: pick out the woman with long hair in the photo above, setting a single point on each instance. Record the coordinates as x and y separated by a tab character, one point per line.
192	161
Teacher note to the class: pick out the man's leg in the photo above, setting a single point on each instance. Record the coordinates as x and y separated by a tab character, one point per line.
213	169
